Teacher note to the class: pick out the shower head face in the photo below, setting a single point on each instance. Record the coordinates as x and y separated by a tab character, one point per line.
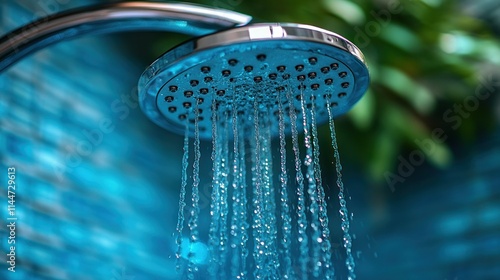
253	69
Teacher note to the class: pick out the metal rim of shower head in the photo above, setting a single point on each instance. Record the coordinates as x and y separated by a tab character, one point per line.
277	59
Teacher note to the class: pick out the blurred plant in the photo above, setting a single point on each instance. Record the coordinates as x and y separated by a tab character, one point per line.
424	56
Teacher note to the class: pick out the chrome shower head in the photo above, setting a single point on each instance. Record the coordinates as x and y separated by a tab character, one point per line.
259	63
231	70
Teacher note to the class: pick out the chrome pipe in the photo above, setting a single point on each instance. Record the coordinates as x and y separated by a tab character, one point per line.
110	18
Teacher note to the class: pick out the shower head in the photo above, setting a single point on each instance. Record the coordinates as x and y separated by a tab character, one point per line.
259	65
230	71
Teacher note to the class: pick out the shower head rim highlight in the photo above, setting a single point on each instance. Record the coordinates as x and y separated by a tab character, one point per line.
306	38
276	31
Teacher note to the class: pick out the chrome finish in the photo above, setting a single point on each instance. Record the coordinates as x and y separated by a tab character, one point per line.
175	17
255	65
285	31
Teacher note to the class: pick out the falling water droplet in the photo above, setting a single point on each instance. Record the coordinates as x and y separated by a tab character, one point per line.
311	187
258	221
182	199
285	210
224	208
269	201
215	197
344	214
237	196
243	223
257	201
301	206
322	215
193	220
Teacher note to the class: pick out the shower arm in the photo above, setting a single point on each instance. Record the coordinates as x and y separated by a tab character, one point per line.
110	18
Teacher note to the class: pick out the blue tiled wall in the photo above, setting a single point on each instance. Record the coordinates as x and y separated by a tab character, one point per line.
110	213
88	207
442	224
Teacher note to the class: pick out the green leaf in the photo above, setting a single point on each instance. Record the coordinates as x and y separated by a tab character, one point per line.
363	112
346	10
419	96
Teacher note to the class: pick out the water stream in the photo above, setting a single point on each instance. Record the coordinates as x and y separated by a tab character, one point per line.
268	216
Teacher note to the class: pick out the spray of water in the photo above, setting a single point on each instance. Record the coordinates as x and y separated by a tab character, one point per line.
301	204
215	197
182	201
286	233
344	213
286	220
324	239
195	198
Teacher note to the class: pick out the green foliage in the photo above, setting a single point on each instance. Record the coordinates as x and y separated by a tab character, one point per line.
423	56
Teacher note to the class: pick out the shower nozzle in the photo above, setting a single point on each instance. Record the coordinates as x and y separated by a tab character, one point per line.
262	64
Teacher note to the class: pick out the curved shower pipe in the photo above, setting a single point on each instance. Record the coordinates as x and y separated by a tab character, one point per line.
110	18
